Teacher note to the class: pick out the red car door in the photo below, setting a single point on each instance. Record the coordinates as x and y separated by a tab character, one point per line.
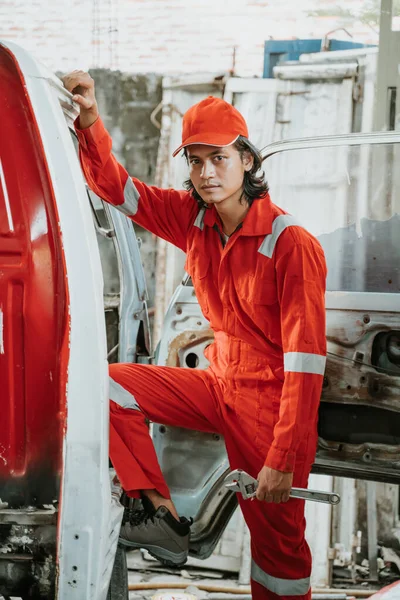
33	307
58	523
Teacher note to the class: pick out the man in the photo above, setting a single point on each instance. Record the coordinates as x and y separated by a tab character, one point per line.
260	280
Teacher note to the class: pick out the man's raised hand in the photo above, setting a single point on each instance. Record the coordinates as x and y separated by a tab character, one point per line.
81	86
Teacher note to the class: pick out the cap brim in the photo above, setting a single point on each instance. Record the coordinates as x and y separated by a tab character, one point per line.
212	139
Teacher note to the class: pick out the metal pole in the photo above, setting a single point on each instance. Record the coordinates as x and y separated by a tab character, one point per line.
372	530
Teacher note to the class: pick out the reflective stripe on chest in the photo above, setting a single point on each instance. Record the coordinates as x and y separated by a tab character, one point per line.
199	222
278	226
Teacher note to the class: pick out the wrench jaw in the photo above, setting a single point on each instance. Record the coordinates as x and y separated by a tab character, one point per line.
242	482
233	486
249	491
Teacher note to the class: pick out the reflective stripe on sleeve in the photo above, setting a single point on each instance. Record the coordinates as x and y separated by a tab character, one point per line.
276	585
131	199
121	396
278	226
199	222
303	362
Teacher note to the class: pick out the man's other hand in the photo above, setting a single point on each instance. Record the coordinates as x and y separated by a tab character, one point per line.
274	486
81	85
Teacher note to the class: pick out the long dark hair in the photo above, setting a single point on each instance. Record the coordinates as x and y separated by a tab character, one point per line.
254	184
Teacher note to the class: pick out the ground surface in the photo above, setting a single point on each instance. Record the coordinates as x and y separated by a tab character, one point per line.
141	569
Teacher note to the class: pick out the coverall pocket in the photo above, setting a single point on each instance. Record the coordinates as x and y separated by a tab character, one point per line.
267	418
198	266
260	291
259	300
264	292
256	417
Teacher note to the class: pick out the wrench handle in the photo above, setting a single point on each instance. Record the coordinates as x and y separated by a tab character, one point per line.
315	496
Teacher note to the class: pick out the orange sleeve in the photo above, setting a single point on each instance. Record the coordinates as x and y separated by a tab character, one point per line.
301	281
165	212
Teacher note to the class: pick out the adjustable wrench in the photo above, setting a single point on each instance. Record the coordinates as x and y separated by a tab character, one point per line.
240	481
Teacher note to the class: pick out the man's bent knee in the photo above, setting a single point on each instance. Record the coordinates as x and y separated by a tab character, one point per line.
118	393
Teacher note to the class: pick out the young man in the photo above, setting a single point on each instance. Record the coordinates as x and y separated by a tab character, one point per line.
260	281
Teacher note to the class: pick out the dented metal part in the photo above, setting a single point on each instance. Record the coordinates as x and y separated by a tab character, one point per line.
187	348
28	553
357	368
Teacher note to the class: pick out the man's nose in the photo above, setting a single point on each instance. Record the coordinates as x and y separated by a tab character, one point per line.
208	170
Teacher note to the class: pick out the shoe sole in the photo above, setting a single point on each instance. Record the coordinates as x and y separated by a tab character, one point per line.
168	558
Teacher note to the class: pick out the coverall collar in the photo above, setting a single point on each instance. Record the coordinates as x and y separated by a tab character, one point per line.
258	220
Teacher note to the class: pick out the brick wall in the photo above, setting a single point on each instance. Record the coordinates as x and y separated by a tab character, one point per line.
164	36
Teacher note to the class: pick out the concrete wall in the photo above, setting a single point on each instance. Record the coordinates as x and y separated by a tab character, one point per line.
126	103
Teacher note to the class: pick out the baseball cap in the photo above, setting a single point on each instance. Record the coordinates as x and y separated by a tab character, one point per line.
212	122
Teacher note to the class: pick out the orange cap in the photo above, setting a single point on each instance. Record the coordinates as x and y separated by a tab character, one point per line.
212	122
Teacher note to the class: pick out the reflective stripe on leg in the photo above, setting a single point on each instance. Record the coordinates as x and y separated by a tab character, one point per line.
121	396
281	587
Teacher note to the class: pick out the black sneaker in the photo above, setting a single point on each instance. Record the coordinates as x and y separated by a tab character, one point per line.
160	534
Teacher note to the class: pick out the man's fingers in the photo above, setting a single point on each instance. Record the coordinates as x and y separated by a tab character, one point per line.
83	102
277	497
268	496
70	82
260	494
264	496
77	79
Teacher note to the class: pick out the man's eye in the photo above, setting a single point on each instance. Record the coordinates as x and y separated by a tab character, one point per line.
194	161
219	158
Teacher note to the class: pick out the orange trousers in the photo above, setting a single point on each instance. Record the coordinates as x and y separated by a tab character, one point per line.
199	400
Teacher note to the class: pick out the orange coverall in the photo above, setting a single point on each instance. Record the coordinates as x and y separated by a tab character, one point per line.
263	294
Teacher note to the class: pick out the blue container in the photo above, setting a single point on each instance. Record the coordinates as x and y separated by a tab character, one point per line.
277	51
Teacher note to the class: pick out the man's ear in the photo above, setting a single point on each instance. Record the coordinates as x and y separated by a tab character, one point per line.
248	160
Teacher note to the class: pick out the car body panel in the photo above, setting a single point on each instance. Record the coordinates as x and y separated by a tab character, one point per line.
88	521
32	265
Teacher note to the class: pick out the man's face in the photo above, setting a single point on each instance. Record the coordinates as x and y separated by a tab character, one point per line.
217	173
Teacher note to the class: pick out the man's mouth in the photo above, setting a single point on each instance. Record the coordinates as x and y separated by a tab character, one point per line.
209	187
